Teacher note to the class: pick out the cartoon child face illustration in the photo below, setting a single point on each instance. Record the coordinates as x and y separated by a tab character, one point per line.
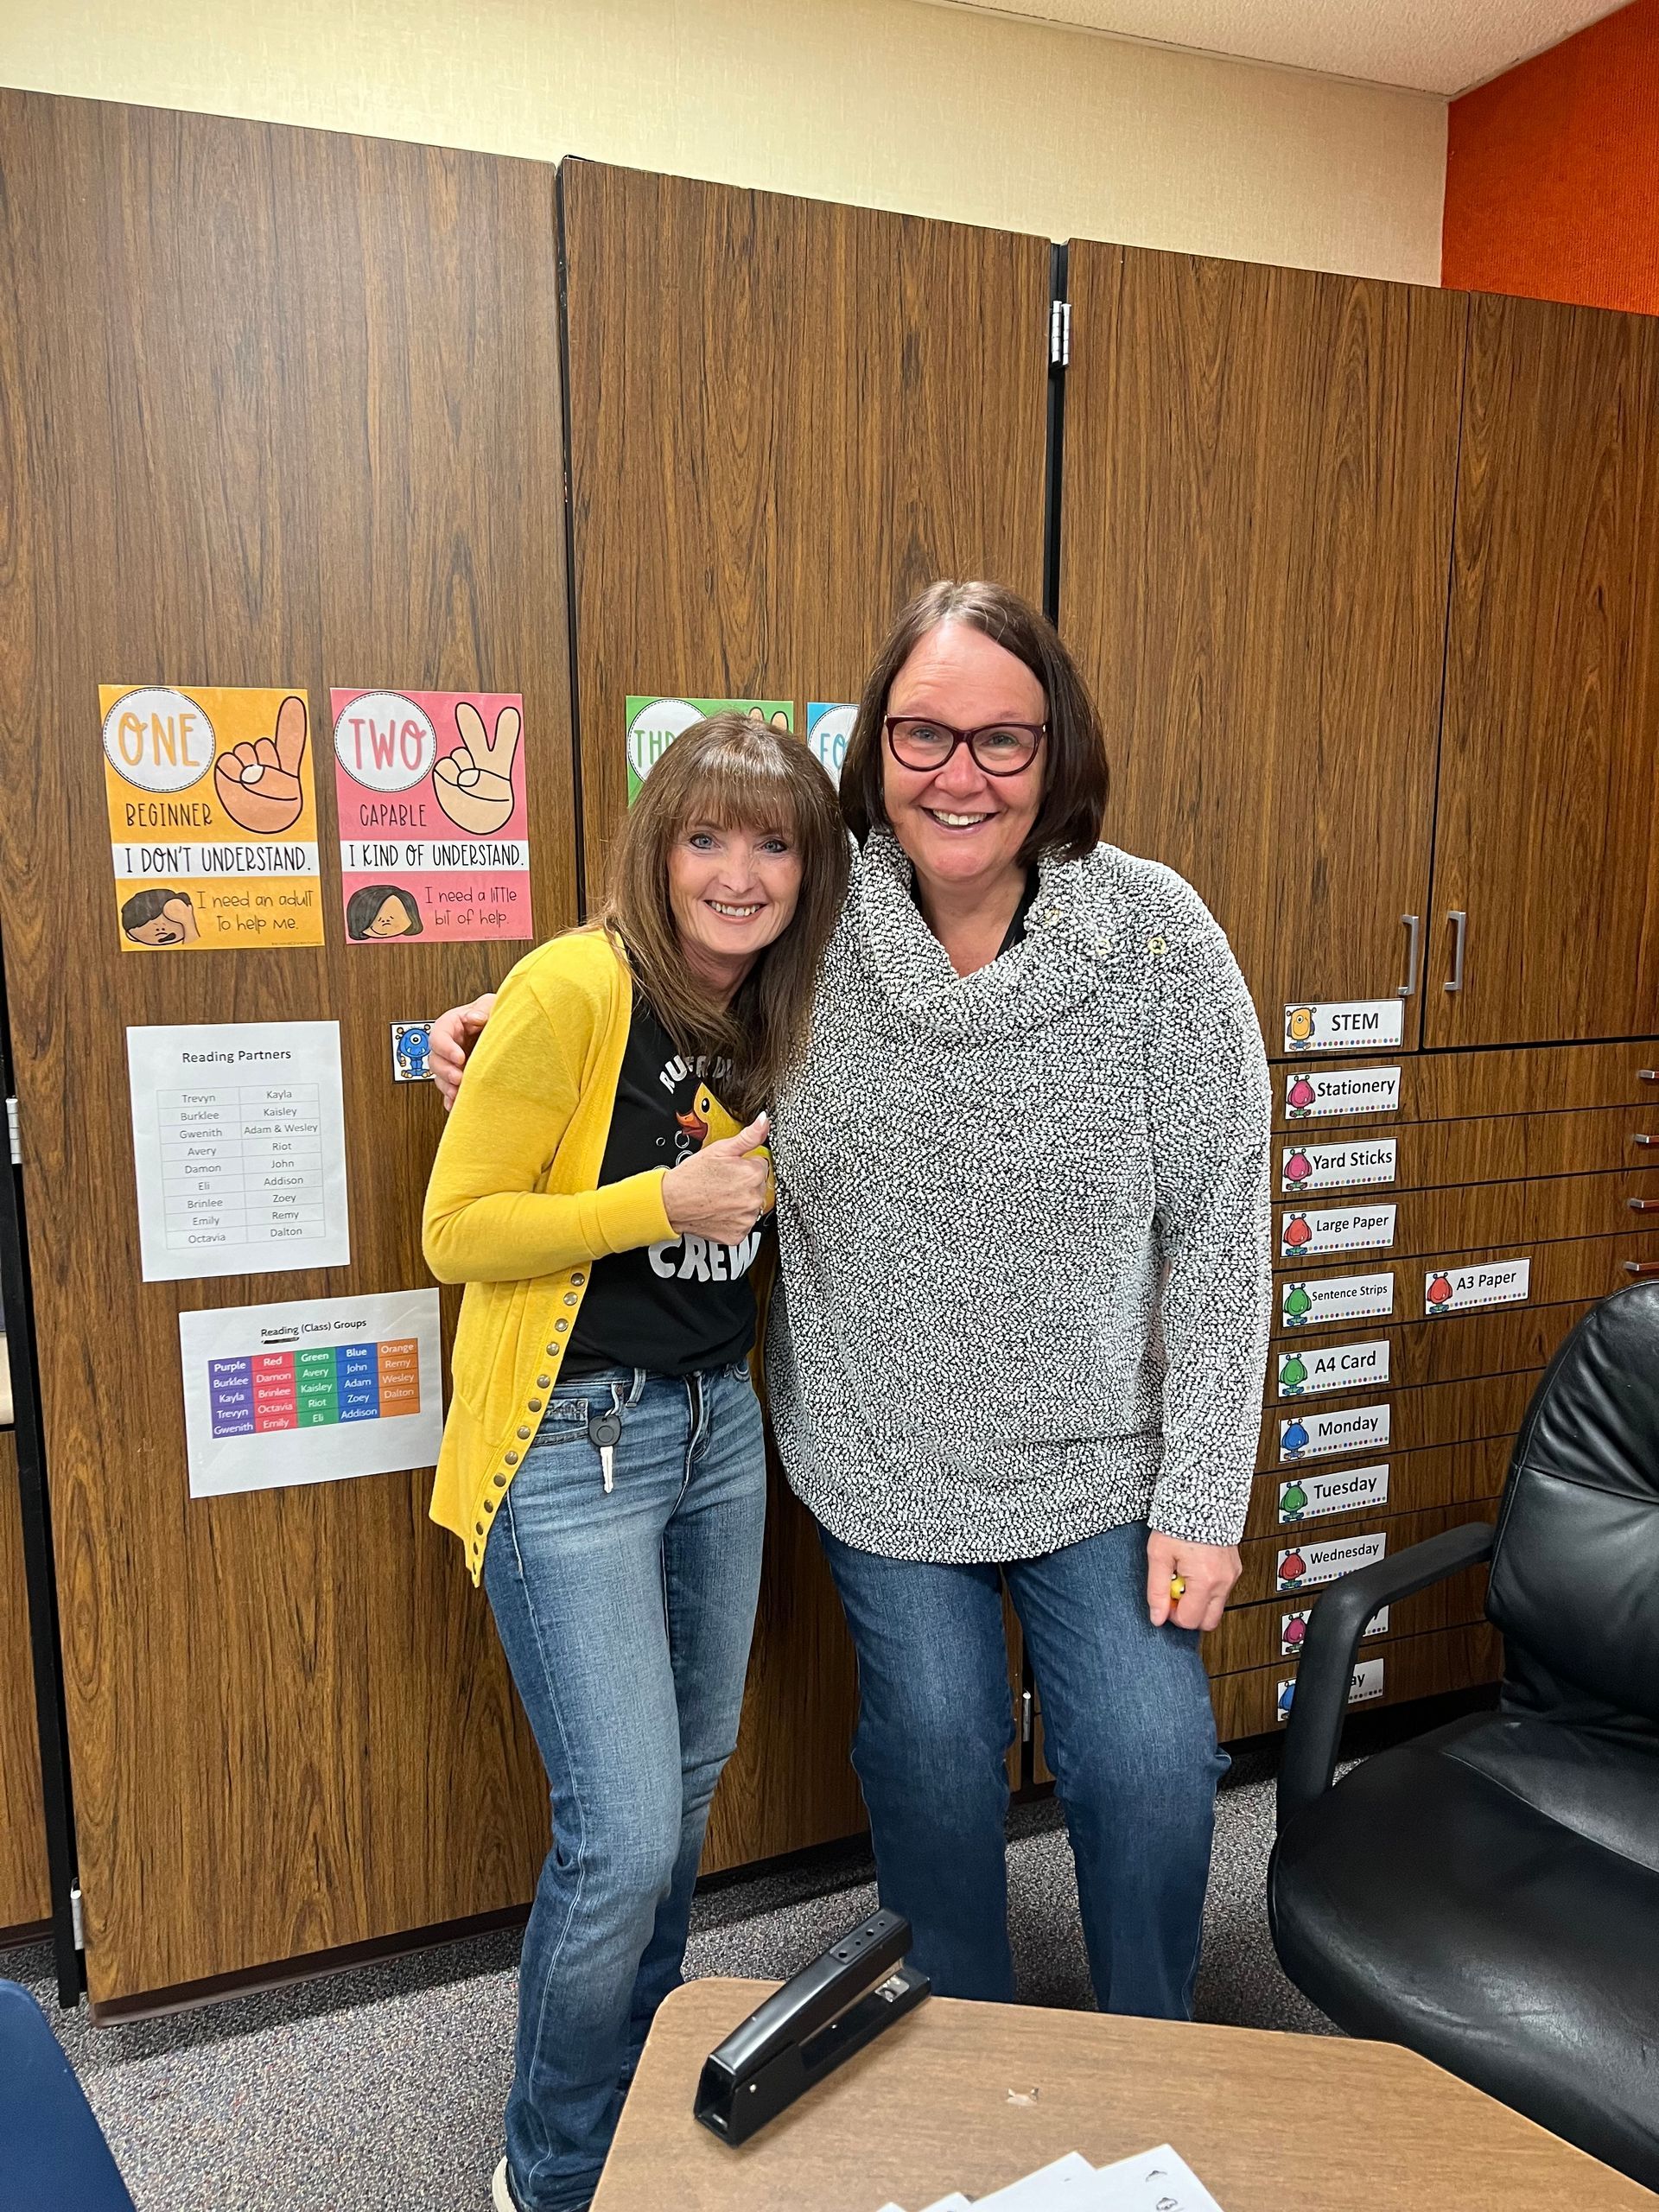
1299	1027
382	910
160	917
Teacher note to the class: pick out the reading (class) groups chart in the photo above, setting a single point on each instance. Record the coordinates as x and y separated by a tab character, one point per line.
265	1391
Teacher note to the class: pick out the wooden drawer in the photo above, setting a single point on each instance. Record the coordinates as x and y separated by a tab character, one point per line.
1452	1474
1435	1155
1444	1412
1500	1341
1253	1636
1247	1703
1441	1224
1260	1580
1462	1086
1576	1268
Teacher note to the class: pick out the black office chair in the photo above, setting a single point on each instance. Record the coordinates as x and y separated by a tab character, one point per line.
1489	1893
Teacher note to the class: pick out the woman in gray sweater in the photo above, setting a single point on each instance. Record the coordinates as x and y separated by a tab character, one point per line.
1023	1305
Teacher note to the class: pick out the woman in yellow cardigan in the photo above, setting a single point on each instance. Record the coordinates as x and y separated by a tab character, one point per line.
602	1461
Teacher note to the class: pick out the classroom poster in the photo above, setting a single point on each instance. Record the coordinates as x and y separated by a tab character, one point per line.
654	723
212	817
828	732
238	1144
433	835
313	1390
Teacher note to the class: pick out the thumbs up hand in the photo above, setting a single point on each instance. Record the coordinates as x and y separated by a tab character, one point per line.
722	1191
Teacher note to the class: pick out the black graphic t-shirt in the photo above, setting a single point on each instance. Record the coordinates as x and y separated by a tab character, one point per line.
679	1306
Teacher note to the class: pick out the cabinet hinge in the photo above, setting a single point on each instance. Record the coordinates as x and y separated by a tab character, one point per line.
77	1917
1059	334
1025	1717
11	1131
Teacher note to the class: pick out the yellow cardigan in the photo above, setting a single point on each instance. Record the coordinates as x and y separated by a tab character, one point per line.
514	1208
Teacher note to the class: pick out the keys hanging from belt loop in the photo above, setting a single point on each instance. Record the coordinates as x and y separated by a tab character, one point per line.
604	1433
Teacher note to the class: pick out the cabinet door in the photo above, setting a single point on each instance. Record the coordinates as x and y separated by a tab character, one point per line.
260	407
1549	766
785	416
25	1894
1259	471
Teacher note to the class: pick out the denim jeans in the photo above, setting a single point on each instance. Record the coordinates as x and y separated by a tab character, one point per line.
625	1617
1128	1730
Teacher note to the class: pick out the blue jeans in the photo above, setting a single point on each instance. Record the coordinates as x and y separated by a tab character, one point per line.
626	1618
1128	1730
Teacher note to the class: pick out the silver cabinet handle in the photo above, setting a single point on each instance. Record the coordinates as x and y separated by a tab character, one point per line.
1459	931
1413	931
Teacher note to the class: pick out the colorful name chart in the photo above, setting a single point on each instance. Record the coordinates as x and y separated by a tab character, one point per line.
239	1145
212	818
828	732
653	724
434	833
316	1390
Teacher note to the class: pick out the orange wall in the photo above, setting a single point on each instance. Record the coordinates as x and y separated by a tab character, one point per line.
1552	172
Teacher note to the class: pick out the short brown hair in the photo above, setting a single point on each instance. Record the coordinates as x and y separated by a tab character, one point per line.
1074	768
741	773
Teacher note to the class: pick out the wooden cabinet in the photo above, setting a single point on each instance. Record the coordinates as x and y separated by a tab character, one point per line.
854	405
25	1895
1258	474
1549	772
275	408
1253	1702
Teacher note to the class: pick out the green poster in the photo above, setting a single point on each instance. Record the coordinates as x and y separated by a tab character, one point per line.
654	725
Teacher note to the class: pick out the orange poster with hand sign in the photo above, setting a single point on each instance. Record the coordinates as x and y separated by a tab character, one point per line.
212	817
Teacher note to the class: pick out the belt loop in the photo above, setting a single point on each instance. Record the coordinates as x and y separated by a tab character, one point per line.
637	1391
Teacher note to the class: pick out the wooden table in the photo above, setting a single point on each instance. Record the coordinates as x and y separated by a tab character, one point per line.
971	2096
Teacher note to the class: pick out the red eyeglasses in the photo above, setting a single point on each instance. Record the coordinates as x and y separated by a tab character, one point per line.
999	749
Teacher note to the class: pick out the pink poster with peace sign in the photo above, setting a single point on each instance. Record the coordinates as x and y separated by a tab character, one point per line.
434	838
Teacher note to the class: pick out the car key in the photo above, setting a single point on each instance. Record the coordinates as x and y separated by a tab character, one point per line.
604	1433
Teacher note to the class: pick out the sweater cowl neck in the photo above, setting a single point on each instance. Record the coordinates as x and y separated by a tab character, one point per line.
1065	958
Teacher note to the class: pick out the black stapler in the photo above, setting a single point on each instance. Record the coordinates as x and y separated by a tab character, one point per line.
805	2029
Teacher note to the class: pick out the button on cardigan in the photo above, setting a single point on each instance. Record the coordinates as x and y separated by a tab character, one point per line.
1023	1222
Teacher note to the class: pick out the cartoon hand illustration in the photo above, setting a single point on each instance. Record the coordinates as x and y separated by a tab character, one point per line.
258	785
474	782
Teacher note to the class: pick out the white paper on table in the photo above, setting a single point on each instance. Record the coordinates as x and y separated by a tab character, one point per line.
313	1390
1153	2181
1065	2184
238	1144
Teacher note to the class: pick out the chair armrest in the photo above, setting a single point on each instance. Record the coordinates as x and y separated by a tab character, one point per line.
1327	1667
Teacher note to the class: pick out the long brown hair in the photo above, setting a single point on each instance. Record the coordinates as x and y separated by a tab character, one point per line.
739	773
1074	767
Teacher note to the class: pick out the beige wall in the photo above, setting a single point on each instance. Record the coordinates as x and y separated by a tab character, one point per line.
930	109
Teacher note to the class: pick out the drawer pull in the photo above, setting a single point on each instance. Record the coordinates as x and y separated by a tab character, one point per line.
1647	1075
1645	1144
1643	1270
1643	1205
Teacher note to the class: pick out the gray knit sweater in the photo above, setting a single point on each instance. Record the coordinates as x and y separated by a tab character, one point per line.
1023	1224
